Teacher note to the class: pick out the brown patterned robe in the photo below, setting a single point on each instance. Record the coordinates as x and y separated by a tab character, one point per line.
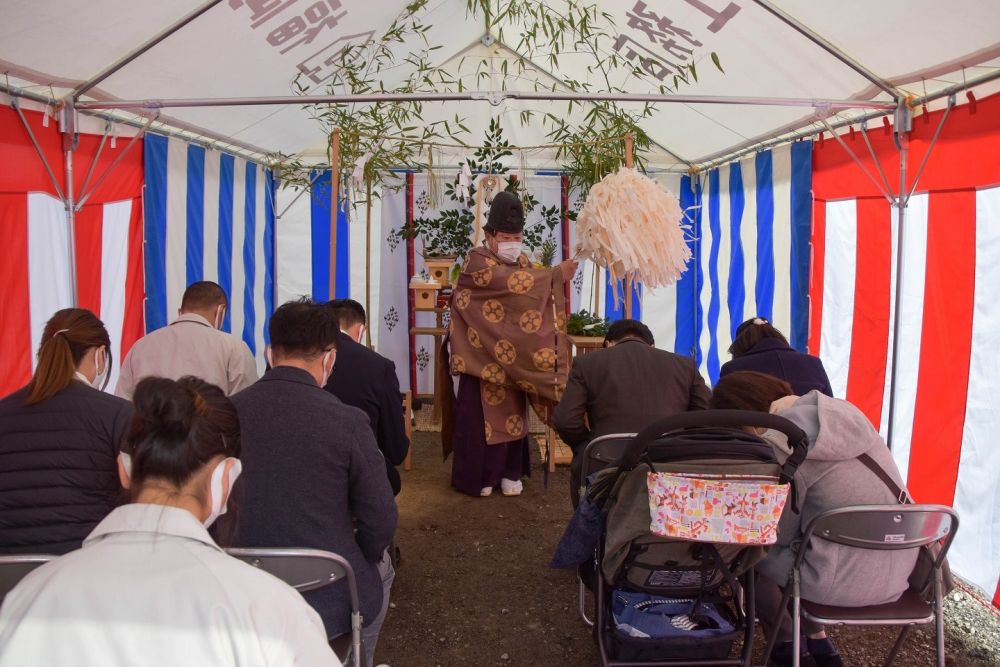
508	324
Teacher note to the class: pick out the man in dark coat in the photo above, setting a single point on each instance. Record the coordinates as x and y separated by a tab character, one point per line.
366	380
313	476
622	389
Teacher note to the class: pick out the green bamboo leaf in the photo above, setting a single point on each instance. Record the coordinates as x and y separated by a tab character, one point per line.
715	60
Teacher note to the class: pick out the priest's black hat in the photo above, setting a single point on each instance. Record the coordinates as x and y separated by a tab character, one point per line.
506	214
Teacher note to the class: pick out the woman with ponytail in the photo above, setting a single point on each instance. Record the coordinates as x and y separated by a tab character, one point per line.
59	437
150	586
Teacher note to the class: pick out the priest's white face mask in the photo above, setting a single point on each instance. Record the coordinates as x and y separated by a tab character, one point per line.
506	246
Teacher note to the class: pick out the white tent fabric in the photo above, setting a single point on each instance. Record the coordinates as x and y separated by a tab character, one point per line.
238	48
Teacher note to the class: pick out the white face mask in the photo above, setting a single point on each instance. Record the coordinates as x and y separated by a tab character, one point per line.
327	373
101	373
215	487
361	334
220	317
218	509
126	463
509	251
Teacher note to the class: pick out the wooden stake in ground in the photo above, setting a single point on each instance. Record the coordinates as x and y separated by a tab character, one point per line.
334	206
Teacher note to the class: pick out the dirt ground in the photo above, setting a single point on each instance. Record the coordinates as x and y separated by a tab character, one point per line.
474	586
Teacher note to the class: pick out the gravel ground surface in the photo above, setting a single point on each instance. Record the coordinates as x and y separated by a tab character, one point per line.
474	587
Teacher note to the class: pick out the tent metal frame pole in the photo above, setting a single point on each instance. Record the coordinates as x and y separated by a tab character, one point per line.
937	133
901	204
38	149
820	41
141	49
871	151
70	138
93	162
495	98
85	194
847	149
902	143
194	135
718	159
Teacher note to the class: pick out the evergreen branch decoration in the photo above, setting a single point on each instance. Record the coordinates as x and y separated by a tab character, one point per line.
450	233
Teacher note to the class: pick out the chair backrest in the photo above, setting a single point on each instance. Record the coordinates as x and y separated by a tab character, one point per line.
302	569
15	568
604	451
886	527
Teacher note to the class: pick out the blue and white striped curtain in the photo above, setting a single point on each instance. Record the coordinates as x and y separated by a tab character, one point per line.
303	242
209	216
750	223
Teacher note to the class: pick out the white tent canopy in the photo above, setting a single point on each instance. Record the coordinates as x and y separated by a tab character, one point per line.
235	49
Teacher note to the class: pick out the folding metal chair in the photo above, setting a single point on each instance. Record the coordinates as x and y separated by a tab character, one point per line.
599	453
15	568
880	528
306	570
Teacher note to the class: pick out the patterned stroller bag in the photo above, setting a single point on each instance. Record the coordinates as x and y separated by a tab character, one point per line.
691	506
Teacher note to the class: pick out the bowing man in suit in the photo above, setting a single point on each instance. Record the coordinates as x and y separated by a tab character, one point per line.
364	379
622	389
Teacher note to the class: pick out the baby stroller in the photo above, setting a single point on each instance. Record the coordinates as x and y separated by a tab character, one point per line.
690	505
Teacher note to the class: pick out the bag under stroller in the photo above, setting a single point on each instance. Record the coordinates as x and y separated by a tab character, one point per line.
690	505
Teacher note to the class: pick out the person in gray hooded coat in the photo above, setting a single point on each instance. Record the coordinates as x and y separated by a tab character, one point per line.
831	477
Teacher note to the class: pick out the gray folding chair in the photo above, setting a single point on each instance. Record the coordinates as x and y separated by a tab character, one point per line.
599	453
15	568
306	570
880	528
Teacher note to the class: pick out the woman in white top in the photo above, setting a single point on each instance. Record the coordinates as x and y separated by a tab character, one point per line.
150	586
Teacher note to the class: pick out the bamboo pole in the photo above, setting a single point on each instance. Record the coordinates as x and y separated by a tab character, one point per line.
629	279
334	206
368	264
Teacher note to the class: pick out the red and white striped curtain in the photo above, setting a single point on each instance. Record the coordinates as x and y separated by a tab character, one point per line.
35	265
946	404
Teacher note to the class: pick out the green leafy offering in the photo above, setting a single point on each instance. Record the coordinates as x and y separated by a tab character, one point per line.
583	323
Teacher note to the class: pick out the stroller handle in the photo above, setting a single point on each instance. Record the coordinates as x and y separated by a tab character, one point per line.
797	438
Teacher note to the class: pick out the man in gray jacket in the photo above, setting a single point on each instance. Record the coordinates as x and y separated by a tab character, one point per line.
313	475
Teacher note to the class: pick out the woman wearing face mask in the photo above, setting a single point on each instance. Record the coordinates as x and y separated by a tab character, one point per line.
508	346
59	436
149	586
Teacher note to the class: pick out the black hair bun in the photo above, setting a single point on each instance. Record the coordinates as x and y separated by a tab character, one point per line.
166	408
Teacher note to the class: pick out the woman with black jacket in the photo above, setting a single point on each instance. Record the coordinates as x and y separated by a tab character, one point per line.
59	439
